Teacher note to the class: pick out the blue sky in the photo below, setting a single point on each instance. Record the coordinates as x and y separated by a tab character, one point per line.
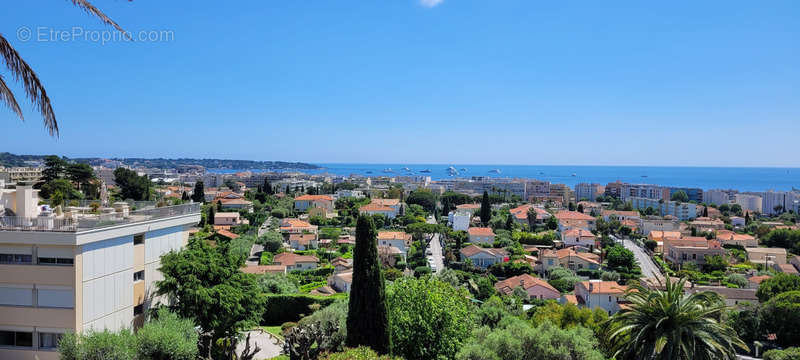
408	81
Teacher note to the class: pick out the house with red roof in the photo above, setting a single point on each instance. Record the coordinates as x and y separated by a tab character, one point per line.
520	214
304	202
535	287
481	235
303	241
606	295
691	249
483	257
567	258
573	219
396	239
296	226
579	237
372	209
293	261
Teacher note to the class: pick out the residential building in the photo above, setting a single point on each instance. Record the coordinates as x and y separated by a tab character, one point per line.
536	288
341	281
349	193
373	209
469	207
579	237
749	203
303	241
620	215
22	201
459	219
590	207
392	203
795	261
660	236
707	224
728	237
785	268
397	239
738	221
293	261
694	194
777	202
302	203
732	297
573	219
755	281
483	257
567	258
296	226
236	204
520	214
13	175
561	192
655	223
606	295
80	272
719	197
227	219
682	211
691	249
588	191
481	235
645	191
766	256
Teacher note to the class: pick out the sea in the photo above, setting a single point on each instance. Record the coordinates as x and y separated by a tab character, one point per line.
739	178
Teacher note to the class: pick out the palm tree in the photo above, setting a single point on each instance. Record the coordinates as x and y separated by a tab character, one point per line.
669	324
24	74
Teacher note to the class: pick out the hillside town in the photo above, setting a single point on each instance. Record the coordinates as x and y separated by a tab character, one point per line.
522	247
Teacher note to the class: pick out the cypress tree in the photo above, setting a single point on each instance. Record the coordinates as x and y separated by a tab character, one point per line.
185	196
199	192
705	211
486	208
367	320
211	213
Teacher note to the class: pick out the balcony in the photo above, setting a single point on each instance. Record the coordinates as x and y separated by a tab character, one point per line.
84	222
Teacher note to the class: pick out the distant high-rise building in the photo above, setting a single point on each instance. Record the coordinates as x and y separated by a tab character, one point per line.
751	203
719	197
786	200
588	191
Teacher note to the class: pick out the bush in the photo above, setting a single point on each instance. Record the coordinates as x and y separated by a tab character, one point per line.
279	213
276	284
592	274
737	279
330	317
565	284
421	270
792	353
266	258
167	337
272	241
610	276
359	353
292	307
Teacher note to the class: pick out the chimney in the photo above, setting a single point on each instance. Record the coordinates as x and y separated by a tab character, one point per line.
27	203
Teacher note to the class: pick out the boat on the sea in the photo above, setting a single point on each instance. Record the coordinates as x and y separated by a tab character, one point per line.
494	171
406	169
452	171
573	174
388	170
369	172
426	171
463	169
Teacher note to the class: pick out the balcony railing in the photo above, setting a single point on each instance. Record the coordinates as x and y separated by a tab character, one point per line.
87	222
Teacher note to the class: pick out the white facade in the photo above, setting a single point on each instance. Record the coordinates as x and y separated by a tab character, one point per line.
459	220
787	200
751	203
718	197
588	191
682	211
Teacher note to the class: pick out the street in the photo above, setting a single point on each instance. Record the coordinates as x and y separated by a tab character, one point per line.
436	249
649	268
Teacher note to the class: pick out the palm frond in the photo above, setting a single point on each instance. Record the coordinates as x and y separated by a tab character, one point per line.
22	72
92	10
8	98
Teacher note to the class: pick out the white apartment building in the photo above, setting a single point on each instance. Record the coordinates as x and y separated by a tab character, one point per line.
719	197
751	203
77	272
682	211
588	191
459	219
787	200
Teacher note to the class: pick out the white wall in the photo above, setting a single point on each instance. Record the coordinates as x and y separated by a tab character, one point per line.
108	284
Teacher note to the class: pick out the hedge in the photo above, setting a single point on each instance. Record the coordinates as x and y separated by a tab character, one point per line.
289	307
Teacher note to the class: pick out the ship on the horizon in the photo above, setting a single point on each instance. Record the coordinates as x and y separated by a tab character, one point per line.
452	171
427	171
388	170
494	171
406	169
463	169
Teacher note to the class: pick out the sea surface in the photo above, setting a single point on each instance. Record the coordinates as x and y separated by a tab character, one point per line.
742	179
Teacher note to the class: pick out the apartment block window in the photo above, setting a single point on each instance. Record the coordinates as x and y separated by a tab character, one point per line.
138	276
49	340
55	261
138	239
16	259
16	338
138	309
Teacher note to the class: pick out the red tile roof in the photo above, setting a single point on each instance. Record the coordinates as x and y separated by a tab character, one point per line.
227	234
603	287
393	235
579	233
481	231
468	206
386	202
290	259
525	281
572	215
521	212
375	207
302	239
313	198
471	250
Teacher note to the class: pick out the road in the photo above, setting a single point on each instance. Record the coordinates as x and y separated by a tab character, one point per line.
436	249
255	255
649	268
270	347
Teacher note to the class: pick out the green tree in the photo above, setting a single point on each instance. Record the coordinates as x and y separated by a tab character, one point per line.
531	215
212	212
781	315
427	318
167	337
198	195
206	285
54	168
620	259
272	241
777	284
737	279
276	284
486	209
62	186
131	185
516	339
679	196
673	325
424	198
98	345
552	223
81	174
792	353
368	322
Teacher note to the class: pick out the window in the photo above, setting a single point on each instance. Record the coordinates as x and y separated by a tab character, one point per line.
16	338
49	340
138	239
609	299
138	276
55	261
16	259
138	309
694	256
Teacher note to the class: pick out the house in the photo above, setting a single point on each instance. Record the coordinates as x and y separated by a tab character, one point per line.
535	287
631	224
796	262
573	219
341	264
606	295
728	237
520	214
392	203
738	221
654	223
483	257
459	219
227	219
469	207
659	236
767	256
620	215
296	226
235	204
341	281
304	202
264	269
691	249
372	209
293	261
303	241
732	296
226	234
567	258
579	237
704	224
786	269
755	281
481	235
590	207
397	239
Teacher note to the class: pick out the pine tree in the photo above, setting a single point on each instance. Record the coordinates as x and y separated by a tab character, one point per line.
367	320
199	193
486	208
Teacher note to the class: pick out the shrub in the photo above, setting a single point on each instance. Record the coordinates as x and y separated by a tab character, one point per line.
791	353
565	284
421	270
333	316
359	353
592	274
292	307
167	337
287	325
738	280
